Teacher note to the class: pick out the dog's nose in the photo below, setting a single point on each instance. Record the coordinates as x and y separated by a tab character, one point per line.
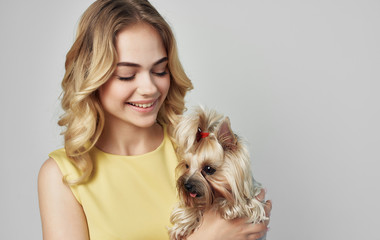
188	186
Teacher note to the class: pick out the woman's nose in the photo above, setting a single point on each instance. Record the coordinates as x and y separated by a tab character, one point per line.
146	85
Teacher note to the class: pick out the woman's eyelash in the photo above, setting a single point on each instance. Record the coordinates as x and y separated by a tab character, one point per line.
126	78
160	74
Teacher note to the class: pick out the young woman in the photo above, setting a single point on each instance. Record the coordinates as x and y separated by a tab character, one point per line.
123	90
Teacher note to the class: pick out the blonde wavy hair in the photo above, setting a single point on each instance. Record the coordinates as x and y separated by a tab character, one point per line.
90	63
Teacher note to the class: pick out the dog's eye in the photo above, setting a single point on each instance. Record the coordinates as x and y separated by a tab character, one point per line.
209	170
187	166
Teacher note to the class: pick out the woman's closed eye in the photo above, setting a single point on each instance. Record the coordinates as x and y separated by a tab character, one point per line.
130	76
126	78
160	74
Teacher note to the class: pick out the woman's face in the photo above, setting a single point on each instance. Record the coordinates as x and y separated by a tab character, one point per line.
140	83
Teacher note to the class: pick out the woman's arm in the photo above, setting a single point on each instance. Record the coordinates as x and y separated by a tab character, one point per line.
61	214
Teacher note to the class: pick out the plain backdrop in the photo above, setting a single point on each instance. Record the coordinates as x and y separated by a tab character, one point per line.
299	80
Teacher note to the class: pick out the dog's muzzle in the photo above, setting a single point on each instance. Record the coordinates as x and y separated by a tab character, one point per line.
191	189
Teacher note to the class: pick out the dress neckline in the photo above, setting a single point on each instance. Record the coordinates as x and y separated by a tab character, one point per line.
111	155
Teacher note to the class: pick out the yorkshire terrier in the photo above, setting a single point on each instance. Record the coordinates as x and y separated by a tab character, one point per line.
214	172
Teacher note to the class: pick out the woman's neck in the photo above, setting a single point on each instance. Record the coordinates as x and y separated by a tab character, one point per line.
124	139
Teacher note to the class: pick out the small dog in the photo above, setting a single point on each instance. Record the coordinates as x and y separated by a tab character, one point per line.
213	173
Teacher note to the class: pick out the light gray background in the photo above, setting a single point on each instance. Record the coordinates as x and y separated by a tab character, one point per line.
299	80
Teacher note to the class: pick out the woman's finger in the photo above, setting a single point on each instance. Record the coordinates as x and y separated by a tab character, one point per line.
256	236
268	207
257	231
261	196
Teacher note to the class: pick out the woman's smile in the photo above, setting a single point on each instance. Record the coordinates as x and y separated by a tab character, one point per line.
143	106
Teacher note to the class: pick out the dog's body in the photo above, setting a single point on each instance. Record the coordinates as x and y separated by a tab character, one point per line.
214	173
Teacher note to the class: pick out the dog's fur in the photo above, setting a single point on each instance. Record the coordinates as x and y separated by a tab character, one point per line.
213	172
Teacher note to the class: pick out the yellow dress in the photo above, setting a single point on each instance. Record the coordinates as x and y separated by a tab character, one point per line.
128	197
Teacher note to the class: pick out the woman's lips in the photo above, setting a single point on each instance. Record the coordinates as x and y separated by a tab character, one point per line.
145	106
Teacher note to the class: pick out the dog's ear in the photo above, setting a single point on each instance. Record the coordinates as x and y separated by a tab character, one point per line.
225	136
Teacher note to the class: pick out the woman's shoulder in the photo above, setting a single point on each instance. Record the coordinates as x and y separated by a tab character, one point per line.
49	178
57	199
50	167
57	167
59	160
50	170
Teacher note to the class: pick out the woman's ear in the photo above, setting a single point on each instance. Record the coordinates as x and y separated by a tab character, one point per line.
225	136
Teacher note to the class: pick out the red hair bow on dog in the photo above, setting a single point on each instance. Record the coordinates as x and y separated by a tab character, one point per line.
201	134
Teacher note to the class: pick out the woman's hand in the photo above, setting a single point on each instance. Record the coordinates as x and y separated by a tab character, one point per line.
213	226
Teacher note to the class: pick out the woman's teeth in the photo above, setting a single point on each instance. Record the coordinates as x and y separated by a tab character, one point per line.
142	105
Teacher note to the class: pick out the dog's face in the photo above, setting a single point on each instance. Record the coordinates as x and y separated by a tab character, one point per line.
201	175
213	162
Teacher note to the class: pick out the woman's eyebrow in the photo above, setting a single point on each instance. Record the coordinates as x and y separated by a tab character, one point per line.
129	64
